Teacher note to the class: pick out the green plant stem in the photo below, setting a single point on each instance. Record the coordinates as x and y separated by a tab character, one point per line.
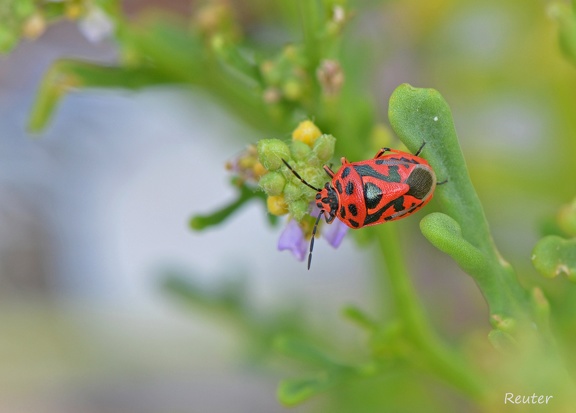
202	222
66	75
310	16
432	353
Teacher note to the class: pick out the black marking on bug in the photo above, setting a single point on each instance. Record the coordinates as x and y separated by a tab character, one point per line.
353	209
355	224
339	187
419	182
372	195
331	201
349	188
343	212
366	170
346	172
318	195
397	204
405	212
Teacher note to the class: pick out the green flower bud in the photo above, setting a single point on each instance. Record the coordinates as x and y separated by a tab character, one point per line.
293	191
324	147
271	73
505	324
271	152
292	90
299	209
272	183
299	150
553	256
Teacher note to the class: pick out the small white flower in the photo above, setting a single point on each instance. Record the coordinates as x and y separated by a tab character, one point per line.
96	25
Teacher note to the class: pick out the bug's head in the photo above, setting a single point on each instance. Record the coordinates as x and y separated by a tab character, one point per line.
327	201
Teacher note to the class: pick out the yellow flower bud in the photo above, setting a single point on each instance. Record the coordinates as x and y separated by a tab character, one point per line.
259	170
277	205
306	132
34	26
73	11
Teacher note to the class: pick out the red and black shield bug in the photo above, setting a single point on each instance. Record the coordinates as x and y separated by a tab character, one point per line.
392	185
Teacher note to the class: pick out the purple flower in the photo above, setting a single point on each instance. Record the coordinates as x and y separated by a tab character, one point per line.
335	232
293	239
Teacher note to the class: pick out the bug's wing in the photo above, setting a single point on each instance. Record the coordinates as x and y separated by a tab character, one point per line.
384	201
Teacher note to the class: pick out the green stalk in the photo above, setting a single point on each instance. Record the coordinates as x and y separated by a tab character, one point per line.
202	222
433	355
67	75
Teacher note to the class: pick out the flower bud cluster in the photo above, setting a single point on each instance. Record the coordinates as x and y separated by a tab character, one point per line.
216	22
246	167
29	19
285	77
306	153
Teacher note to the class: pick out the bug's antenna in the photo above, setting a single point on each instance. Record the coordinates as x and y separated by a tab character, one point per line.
299	177
312	239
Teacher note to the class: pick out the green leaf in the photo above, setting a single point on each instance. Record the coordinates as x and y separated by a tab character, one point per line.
566	19
294	391
445	234
360	318
304	351
422	115
228	297
554	256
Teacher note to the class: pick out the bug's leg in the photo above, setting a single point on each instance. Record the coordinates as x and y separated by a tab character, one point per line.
330	218
312	239
420	149
442	183
329	171
382	152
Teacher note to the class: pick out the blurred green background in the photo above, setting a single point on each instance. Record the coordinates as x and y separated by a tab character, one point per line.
94	211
